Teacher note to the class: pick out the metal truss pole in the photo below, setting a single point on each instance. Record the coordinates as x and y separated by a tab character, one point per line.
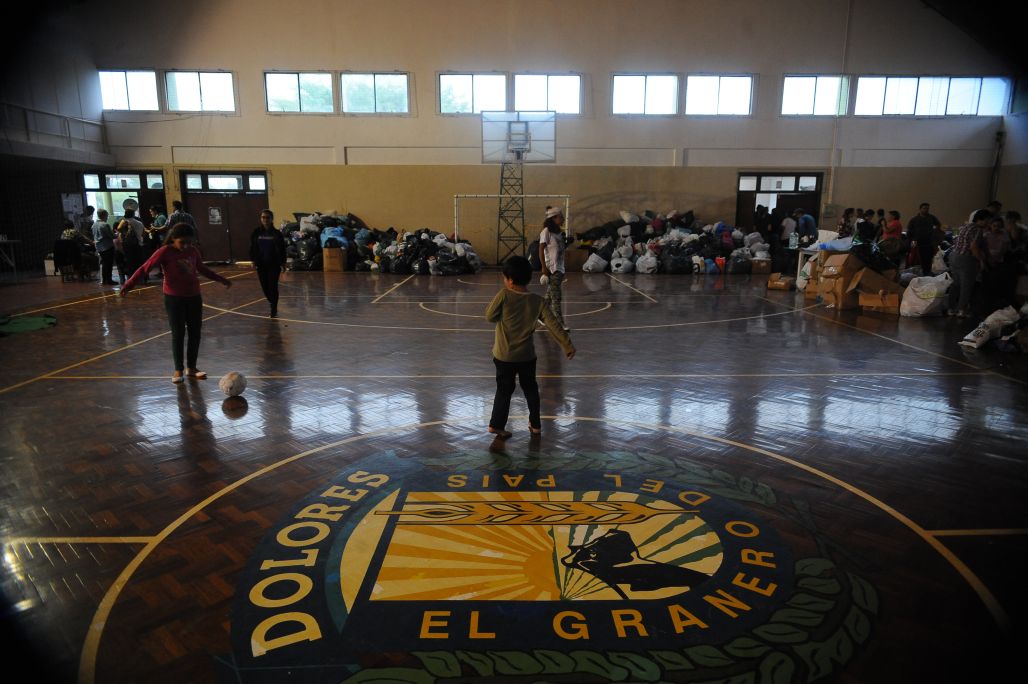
510	222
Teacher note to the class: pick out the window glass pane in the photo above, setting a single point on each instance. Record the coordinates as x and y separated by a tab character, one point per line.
995	93
391	93
283	92
931	96
155	181
734	95
225	182
113	91
747	182
963	96
126	180
216	92
183	91
454	93
870	96
828	100
258	183
91	181
661	94
358	93
900	96
701	95
530	92
490	93
781	183
565	94
629	95
808	183
194	181
798	95
316	93
142	90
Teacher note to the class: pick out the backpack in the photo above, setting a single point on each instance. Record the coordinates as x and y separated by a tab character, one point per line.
129	237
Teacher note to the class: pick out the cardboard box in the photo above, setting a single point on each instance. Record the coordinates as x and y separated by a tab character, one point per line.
779	282
574	258
840	266
833	293
884	303
334	259
761	266
873	282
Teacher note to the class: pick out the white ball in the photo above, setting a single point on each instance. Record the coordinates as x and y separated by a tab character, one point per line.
233	384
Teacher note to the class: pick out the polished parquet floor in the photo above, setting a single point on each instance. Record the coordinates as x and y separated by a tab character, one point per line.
851	488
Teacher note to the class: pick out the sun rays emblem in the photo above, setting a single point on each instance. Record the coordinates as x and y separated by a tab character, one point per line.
531	546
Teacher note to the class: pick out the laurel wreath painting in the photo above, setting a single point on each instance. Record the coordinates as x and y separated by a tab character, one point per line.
818	629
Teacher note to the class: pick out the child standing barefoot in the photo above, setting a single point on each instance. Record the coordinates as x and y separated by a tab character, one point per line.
180	261
515	311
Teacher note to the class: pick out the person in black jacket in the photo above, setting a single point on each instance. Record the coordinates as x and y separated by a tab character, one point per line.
268	253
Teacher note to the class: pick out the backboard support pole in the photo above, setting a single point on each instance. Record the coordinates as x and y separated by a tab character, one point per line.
510	221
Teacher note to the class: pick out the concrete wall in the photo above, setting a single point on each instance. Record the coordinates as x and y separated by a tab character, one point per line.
404	171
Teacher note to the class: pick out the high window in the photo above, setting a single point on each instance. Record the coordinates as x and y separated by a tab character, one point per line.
561	93
815	95
646	94
200	91
472	93
718	95
375	93
931	96
129	90
306	93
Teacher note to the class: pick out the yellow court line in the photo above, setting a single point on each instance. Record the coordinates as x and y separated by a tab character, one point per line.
78	540
902	343
108	296
421	305
586	376
977	533
386	293
91	647
618	280
106	354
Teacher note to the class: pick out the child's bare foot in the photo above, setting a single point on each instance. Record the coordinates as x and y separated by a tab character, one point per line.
501	434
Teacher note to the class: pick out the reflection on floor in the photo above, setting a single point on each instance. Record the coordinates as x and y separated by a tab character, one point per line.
729	481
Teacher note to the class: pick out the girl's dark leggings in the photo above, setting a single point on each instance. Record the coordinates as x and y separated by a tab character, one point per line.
185	314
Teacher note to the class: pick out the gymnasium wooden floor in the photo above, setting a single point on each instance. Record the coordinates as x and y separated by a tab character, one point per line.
732	485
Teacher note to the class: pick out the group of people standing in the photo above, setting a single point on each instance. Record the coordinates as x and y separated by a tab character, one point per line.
128	242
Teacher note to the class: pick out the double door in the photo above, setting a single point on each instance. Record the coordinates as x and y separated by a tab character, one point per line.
224	222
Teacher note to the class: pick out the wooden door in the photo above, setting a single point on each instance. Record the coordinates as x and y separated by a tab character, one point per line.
210	210
244	213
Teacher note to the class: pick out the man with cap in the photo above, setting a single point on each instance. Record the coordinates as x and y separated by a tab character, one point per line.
551	257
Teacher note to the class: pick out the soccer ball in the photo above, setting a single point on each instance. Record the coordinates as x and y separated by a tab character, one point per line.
233	384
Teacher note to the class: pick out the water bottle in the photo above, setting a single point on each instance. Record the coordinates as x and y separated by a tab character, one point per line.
794	240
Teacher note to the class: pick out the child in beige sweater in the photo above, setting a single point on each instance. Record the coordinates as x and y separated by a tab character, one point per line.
515	311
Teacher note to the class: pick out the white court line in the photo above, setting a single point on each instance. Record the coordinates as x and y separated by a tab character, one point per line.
386	293
631	288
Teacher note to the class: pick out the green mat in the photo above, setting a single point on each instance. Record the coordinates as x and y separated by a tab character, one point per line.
18	324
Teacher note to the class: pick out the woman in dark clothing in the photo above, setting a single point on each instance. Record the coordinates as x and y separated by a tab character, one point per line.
268	253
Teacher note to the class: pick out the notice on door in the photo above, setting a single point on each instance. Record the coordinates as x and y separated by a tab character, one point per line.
214	216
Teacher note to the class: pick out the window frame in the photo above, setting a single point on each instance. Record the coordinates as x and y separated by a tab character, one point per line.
374	73
124	72
206	112
507	86
333	85
646	74
513	92
946	115
753	93
844	101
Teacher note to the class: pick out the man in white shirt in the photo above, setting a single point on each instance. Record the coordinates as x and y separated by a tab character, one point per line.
551	258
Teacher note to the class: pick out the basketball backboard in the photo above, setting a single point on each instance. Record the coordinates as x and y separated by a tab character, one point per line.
529	137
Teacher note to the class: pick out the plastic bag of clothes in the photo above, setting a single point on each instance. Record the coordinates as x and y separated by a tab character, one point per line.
334	233
595	264
621	265
647	263
925	296
738	264
310	224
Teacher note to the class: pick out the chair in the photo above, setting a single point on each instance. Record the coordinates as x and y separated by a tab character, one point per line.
67	259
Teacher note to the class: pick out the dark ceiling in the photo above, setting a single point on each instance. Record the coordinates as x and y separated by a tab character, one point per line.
996	25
